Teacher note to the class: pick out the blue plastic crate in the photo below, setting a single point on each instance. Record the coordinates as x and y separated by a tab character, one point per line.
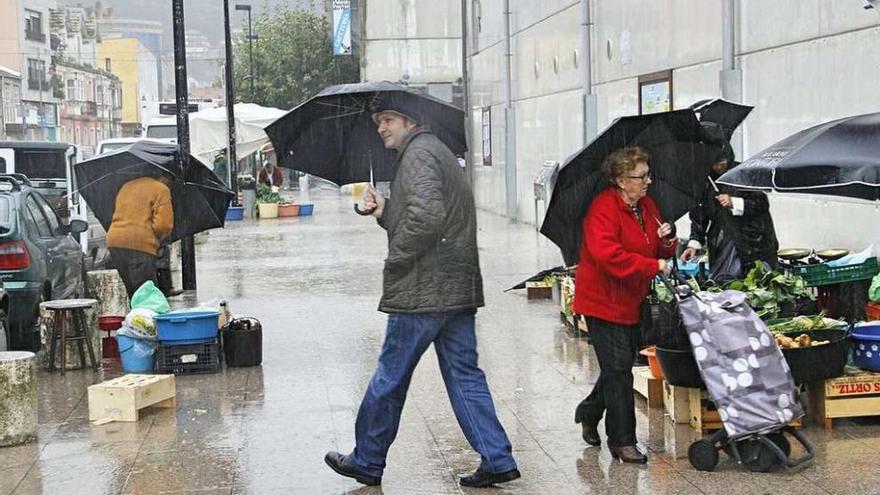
306	209
235	213
187	327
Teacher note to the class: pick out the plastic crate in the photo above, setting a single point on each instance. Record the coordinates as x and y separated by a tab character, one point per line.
872	310
188	359
822	274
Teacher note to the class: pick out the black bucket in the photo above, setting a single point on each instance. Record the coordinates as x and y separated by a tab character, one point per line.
243	342
822	362
680	368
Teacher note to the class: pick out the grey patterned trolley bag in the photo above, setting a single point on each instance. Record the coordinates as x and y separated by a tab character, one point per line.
747	378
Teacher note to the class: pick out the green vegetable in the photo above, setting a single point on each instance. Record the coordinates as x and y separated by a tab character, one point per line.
767	290
805	324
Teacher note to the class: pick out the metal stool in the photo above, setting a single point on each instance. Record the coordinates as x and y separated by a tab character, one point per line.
75	308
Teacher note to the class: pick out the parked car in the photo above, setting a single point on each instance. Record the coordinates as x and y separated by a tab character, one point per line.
39	258
49	168
4	319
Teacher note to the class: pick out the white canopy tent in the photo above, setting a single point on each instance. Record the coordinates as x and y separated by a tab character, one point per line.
208	133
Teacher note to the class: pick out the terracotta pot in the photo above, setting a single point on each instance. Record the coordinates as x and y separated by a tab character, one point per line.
653	363
268	210
288	210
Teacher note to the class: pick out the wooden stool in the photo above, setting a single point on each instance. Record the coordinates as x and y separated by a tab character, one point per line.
75	309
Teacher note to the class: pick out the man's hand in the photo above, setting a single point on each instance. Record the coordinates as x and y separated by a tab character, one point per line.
665	268
373	199
725	201
688	254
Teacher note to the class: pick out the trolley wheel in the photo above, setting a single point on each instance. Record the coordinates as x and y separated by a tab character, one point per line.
703	455
763	461
779	439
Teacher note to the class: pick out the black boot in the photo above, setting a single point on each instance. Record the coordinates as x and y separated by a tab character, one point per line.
629	453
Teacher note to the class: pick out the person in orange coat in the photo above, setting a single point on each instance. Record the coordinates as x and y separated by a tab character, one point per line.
143	217
625	245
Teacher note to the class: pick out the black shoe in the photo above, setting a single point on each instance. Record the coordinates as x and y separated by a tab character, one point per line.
482	479
590	433
629	453
343	466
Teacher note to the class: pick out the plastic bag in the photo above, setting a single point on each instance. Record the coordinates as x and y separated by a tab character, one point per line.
854	258
874	290
140	323
148	296
144	348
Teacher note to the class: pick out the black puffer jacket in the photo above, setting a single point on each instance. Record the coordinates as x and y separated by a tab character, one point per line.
752	233
432	263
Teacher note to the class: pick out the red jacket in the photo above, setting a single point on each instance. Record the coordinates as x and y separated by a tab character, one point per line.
618	259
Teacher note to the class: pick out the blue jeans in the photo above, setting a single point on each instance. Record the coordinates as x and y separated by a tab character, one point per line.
407	336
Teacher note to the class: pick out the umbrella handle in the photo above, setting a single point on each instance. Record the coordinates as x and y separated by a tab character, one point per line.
359	211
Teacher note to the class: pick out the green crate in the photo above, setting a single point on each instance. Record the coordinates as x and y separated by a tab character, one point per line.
822	274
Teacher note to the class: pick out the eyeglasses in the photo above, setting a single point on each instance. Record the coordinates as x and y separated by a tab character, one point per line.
644	177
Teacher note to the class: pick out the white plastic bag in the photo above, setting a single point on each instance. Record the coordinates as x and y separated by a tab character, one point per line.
140	323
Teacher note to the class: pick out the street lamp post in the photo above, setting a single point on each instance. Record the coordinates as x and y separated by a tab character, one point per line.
251	39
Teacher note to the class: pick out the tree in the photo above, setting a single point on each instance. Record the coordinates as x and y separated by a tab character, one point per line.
293	60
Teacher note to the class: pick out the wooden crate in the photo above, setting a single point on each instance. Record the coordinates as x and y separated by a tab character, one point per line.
855	394
647	386
538	290
704	415
676	402
120	399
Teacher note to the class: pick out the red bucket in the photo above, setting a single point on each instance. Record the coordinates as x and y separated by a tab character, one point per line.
109	346
110	323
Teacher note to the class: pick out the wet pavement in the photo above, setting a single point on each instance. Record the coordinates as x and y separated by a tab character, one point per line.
314	282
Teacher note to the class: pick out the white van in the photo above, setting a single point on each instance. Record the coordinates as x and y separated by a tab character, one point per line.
162	129
114	144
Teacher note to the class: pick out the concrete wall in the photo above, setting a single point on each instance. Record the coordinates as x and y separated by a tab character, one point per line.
803	62
417	41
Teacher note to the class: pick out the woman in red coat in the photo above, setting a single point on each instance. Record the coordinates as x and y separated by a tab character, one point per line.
625	245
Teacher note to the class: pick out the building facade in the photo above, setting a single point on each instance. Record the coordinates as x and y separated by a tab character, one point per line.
40	86
11	125
798	62
417	43
136	67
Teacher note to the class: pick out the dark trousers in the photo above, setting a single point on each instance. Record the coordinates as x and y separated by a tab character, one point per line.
616	347
134	267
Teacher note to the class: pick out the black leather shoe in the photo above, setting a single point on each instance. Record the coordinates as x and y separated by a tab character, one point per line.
343	466
629	453
482	479
590	433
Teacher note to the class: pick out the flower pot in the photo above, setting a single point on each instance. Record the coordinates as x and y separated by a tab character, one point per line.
268	210
653	364
288	210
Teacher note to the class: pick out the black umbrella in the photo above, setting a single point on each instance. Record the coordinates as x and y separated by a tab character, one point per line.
333	136
839	158
199	197
726	114
680	160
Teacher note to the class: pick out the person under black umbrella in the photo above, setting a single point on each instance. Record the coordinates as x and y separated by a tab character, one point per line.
625	245
735	226
143	218
432	287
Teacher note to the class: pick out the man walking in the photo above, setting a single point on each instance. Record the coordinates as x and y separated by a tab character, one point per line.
432	288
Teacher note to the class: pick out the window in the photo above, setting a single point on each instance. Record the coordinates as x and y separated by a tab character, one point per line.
36	216
49	212
71	89
37	75
33	26
655	92
487	136
107	65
